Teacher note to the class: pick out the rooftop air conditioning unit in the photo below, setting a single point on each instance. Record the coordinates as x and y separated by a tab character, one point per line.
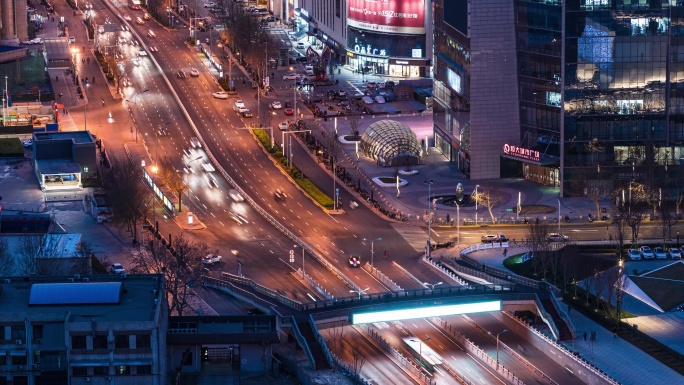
19	342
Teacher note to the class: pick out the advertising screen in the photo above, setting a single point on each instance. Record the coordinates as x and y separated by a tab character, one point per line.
389	16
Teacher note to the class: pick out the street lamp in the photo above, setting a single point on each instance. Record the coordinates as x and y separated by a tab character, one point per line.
432	285
458	223
303	250
429	244
359	291
497	347
294	96
476	200
420	347
372	250
559	215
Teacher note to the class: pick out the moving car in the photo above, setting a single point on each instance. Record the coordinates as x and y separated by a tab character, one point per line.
279	195
490	238
239	104
354	261
72	39
292	76
211	259
300	45
675	253
283	126
151	33
288	111
125	82
195	143
646	252
555	237
634	254
146	16
660	253
220	95
194	72
246	114
139	20
236	196
213	183
153	49
181	74
117	268
276	105
127	18
241	109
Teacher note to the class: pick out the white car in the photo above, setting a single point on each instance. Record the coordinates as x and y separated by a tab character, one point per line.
380	99
220	95
239	104
211	259
300	45
634	254
646	252
194	72
276	105
72	39
675	253
236	196
27	42
28	143
37	40
367	100
660	253
292	76
117	268
283	126
555	237
127	18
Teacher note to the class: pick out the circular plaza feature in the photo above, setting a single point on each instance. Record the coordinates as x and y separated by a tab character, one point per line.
391	143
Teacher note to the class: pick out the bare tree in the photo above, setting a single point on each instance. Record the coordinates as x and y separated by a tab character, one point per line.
666	221
358	360
173	179
120	71
27	253
538	245
488	198
127	193
354	122
6	259
336	337
596	190
180	268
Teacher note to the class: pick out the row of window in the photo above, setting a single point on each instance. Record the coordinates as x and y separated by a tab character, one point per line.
121	341
119	370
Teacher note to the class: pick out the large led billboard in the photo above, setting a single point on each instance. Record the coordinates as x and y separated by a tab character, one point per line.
425	312
389	16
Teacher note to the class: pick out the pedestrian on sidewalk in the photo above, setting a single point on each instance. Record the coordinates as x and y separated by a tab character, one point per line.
505	252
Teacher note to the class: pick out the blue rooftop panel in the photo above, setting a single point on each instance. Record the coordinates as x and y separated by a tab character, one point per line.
75	293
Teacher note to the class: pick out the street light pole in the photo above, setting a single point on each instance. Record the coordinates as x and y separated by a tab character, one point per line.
372	250
458	224
559	215
497	347
420	347
432	285
359	291
476	200
303	250
429	216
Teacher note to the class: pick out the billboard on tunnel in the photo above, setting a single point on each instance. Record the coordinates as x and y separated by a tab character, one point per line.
424	312
389	16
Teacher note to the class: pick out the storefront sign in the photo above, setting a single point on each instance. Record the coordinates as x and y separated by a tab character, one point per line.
401	62
390	16
368	50
520	152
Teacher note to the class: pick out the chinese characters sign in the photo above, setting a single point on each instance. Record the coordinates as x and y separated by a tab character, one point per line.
391	16
520	152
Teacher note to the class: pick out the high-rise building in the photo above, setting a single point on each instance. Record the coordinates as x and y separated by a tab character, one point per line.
14	21
584	95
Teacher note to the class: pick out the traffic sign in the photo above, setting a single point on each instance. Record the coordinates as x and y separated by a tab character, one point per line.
337	191
291	256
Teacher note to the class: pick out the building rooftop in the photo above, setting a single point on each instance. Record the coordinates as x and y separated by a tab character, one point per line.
58	166
76	136
138	300
60	245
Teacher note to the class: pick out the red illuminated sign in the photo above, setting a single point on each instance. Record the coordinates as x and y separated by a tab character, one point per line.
521	152
391	16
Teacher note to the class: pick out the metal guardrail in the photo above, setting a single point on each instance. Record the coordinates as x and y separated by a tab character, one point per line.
563	315
421	283
385	280
564	350
261	289
407	363
443	270
479	353
504	274
265	306
321	341
469	272
302	342
312	282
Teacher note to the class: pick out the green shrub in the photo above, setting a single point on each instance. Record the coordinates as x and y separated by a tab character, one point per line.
11	147
315	193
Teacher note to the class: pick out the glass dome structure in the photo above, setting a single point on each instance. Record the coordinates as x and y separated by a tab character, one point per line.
391	143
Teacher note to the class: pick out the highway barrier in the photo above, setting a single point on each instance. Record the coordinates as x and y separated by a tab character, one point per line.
441	269
398	266
385	280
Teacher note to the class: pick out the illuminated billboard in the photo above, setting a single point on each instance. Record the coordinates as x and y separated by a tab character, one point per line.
390	16
425	312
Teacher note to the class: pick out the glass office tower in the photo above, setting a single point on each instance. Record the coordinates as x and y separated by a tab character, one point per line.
623	96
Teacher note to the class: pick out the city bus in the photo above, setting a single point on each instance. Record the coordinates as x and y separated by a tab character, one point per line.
422	354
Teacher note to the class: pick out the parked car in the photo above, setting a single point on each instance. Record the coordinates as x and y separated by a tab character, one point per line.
372	85
367	100
675	253
490	238
276	105
239	104
211	259
354	261
646	252
72	39
660	253
634	254
220	95
555	237
117	268
380	99
292	76
300	45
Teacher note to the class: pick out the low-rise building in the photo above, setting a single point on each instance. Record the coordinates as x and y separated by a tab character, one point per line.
62	159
